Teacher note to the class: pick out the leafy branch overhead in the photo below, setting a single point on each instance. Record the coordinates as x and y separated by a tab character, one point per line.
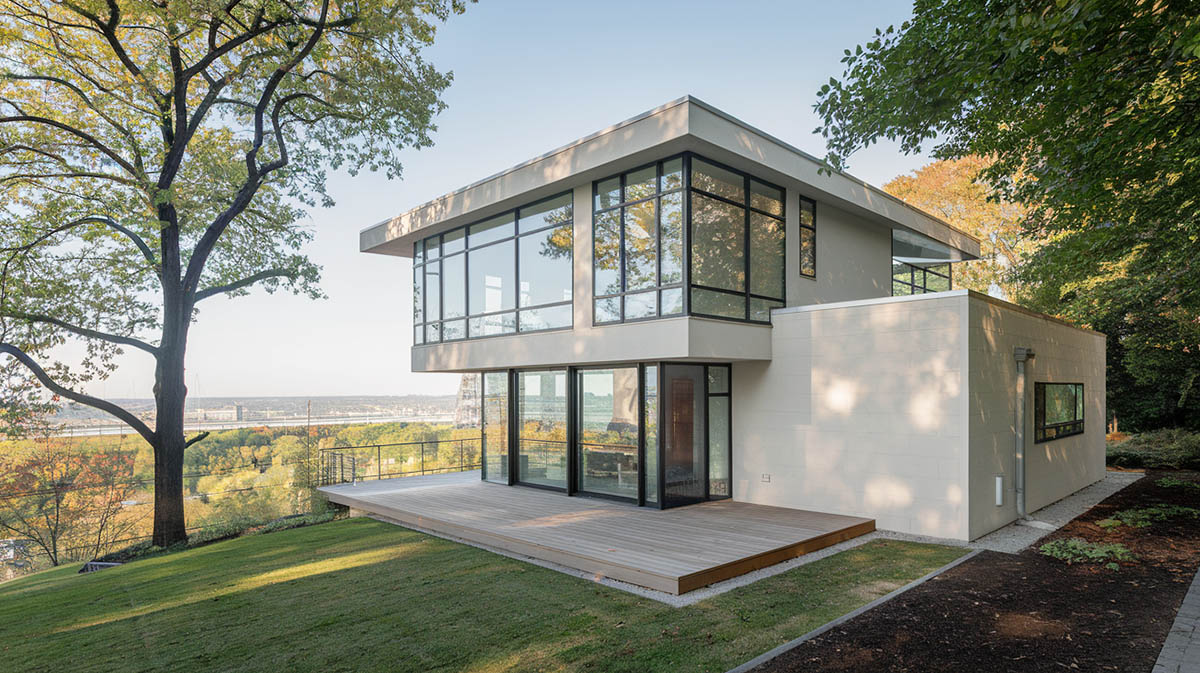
1086	112
155	154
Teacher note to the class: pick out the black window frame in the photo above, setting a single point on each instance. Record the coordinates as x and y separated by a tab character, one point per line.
913	287
659	288
1048	432
421	261
802	228
572	488
685	285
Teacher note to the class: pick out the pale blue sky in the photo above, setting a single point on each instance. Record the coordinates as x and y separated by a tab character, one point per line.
528	77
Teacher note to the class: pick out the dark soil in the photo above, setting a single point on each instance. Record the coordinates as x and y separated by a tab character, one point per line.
1027	612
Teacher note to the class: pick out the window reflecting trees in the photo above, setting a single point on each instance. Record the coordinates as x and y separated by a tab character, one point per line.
637	243
737	243
508	273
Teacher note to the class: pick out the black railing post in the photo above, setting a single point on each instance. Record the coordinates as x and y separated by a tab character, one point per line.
378	462
461	454
422	458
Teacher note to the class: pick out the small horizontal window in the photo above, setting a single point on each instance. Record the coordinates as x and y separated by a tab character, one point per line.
1057	410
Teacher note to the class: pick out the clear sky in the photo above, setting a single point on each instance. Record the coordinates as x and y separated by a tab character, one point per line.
528	77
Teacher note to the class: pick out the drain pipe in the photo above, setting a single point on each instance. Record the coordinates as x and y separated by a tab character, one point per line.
1022	355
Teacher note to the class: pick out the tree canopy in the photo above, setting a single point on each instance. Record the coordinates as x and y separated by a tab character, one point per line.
1088	111
155	154
953	190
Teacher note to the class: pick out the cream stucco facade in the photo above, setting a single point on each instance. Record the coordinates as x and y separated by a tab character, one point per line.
848	400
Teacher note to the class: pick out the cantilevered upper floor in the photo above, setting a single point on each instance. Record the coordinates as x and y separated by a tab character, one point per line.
669	236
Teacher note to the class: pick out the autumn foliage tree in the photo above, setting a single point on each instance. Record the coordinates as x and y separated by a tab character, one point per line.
155	155
954	190
68	502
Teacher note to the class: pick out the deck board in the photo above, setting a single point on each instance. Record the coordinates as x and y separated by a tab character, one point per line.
675	550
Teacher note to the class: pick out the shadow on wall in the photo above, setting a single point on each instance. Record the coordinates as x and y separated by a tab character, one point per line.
871	402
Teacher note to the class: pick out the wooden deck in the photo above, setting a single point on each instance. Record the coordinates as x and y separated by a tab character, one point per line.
675	550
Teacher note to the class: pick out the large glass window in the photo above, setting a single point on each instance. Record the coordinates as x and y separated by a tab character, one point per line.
919	279
505	274
650	423
719	432
737	244
542	428
637	245
495	427
1057	410
735	225
608	431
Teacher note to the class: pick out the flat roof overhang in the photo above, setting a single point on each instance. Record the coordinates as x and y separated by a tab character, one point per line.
685	124
681	338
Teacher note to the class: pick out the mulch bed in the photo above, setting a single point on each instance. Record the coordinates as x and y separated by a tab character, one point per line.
1027	612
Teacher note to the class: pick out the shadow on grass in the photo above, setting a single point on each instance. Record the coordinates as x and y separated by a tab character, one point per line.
368	596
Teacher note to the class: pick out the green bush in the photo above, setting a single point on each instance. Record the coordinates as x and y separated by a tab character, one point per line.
1173	482
1161	449
1141	517
1079	550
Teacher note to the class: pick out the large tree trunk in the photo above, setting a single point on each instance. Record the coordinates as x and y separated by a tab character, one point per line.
169	524
170	393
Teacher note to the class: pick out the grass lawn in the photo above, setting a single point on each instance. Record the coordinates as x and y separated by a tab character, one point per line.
360	595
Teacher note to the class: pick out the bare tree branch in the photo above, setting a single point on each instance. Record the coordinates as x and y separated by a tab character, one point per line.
198	438
96	403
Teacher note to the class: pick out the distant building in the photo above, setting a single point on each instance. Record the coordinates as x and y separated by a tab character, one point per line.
466	411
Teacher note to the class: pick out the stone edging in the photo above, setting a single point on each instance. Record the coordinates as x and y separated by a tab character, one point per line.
790	645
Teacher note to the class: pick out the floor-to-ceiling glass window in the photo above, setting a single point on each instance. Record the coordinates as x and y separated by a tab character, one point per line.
509	273
684	435
719	432
650	415
542	428
608	431
494	418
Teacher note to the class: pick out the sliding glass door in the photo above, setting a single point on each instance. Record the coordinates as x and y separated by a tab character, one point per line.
607	404
658	434
542	428
495	427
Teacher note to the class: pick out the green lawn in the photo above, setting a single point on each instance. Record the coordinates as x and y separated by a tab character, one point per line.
359	595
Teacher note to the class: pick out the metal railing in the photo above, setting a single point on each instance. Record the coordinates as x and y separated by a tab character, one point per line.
350	464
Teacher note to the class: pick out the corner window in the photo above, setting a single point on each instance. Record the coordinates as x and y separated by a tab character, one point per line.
737	244
1057	410
637	243
919	279
506	274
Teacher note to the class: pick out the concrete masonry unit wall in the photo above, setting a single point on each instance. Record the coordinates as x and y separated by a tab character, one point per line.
880	408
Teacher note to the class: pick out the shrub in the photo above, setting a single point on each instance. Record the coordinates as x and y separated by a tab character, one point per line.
1141	517
1161	449
1079	550
1174	482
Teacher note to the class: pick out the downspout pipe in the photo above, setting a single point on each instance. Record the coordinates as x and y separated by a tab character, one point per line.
1021	355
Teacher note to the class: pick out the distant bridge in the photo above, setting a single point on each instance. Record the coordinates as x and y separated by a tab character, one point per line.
283	422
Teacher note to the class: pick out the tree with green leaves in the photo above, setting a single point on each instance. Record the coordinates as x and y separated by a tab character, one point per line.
1088	110
155	154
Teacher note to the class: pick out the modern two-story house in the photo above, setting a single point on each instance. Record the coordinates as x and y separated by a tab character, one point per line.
682	308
